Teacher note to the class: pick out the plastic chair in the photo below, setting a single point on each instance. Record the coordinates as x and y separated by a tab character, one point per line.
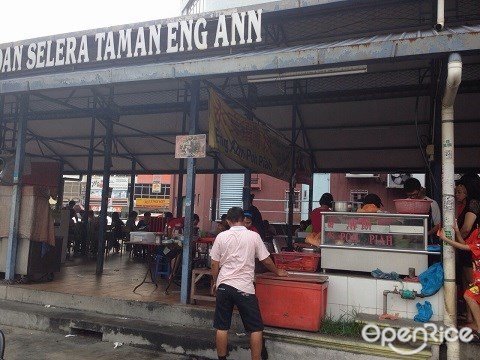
162	266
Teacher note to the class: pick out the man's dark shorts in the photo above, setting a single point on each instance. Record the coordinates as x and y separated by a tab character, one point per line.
247	305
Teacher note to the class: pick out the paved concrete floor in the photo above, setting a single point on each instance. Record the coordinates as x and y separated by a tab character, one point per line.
22	344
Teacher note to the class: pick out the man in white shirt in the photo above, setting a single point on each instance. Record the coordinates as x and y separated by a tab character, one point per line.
233	270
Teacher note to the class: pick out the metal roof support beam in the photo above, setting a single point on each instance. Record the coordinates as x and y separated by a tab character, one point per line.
129	152
190	197
62	103
62	158
14	224
107	165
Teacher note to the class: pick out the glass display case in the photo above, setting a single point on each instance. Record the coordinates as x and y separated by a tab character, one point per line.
377	231
366	241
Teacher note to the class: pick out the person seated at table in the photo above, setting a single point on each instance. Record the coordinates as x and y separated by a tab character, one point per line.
144	224
117	231
166	218
176	225
371	204
222	225
131	222
248	222
301	228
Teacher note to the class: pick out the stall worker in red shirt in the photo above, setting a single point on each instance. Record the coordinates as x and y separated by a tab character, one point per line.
248	222
471	295
177	224
326	203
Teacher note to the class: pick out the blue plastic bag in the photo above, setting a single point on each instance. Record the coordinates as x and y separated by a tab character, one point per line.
425	312
431	279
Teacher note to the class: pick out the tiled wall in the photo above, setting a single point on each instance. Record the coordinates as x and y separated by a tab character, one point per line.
347	294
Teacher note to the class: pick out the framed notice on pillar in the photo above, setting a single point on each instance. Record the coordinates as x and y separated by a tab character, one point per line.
191	146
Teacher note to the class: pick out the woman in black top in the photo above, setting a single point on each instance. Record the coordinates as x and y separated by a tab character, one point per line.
468	220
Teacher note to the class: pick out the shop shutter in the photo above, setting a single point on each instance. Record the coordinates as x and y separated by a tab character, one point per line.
231	189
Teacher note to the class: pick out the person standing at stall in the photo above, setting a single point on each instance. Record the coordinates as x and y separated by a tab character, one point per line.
257	219
472	294
326	202
414	190
175	225
233	263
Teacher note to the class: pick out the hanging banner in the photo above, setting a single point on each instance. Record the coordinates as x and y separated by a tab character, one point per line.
250	144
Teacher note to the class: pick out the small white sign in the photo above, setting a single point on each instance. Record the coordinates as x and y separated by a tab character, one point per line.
191	146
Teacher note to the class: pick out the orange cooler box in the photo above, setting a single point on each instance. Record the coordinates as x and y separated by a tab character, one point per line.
295	302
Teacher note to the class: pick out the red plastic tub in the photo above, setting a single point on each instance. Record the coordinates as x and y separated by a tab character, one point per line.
412	206
296	261
296	302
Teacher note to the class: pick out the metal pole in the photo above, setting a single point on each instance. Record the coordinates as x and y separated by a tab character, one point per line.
190	197
291	187
213	215
182	164
60	188
2	132
131	194
102	232
247	189
17	190
310	195
88	186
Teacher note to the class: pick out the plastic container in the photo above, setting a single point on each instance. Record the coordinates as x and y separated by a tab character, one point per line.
296	302
412	206
141	236
296	261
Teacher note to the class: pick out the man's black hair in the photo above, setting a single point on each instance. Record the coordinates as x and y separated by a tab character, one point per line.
235	214
132	214
148	213
168	215
411	185
326	199
223	217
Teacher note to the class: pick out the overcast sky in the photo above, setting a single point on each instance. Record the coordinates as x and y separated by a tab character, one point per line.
21	20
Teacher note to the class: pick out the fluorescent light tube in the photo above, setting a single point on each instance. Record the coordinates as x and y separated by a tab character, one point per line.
337	71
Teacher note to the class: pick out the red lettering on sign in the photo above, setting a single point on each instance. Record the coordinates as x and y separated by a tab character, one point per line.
352	224
365	223
381	240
